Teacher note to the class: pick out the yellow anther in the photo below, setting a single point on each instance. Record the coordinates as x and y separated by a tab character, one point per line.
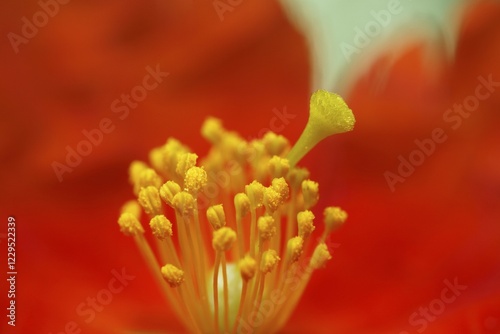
272	200
216	216
305	221
328	115
129	224
212	130
296	176
223	239
132	207
223	285
134	170
168	190
320	256
157	159
184	162
184	203
275	144
241	204
255	193
213	161
143	177
269	260
257	158
149	177
310	191
280	185
256	150
173	275
334	217
234	147
275	195
161	227
278	167
248	267
294	248
196	178
164	158
267	227
149	199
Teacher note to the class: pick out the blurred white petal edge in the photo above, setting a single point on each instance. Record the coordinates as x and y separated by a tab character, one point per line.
346	37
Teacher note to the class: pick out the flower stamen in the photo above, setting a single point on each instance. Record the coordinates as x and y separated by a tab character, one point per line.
252	196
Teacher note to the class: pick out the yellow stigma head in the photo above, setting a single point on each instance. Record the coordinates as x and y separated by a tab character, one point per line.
328	115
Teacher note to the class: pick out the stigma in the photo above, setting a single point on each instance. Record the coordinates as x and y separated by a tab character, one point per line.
231	241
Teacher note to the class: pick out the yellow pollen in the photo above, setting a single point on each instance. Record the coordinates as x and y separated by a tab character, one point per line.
279	167
281	186
195	179
334	217
276	195
161	227
132	207
141	177
267	227
272	200
248	267
173	275
184	203
310	192
295	247
135	169
320	256
255	193
212	130
168	191
269	260
244	222
184	162
164	158
149	199
305	220
129	224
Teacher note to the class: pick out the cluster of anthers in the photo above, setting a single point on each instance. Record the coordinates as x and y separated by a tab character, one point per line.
250	195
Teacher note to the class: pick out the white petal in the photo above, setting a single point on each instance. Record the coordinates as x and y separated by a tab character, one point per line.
334	30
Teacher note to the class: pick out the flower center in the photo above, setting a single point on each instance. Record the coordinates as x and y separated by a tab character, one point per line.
240	251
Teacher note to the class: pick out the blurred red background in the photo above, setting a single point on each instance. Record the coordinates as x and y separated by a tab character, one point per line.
395	251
